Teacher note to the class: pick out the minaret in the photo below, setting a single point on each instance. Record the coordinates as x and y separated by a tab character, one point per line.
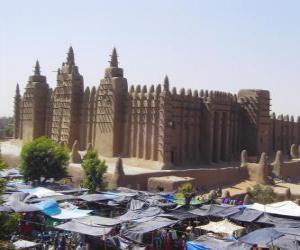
17	111
111	109
67	105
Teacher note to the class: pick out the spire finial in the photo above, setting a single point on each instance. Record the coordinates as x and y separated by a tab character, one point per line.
70	57
37	70
166	83
114	58
17	90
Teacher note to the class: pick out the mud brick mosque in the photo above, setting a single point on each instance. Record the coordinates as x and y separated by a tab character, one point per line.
159	123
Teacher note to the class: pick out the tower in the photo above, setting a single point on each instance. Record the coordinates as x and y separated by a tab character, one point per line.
110	117
34	106
67	102
17	107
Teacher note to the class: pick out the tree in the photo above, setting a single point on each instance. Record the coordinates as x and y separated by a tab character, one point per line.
94	170
44	158
186	190
8	221
261	194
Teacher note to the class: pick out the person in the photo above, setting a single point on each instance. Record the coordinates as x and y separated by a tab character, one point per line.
190	236
62	243
80	246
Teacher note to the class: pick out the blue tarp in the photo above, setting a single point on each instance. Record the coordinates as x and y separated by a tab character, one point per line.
49	207
262	237
206	242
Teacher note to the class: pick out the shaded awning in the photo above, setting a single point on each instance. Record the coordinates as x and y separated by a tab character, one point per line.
139	214
262	237
222	227
99	220
136	232
82	228
97	197
246	215
206	242
287	208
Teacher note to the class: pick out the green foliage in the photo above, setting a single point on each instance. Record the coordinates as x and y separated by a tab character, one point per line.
43	158
8	221
94	170
6	126
186	188
3	164
262	194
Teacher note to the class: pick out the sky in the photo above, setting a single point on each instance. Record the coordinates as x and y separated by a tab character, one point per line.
224	45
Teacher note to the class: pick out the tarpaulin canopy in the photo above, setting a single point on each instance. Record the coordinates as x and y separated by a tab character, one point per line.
181	214
206	242
285	243
137	231
136	204
17	196
82	228
6	209
224	227
279	222
138	214
262	237
71	214
287	208
20	207
99	220
23	244
40	192
97	197
246	215
63	197
49	207
215	210
10	173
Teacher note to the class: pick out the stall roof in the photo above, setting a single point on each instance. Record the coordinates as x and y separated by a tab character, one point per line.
246	215
215	210
180	214
97	197
285	242
206	242
141	213
82	228
223	227
99	220
137	231
262	237
287	208
71	214
19	206
279	222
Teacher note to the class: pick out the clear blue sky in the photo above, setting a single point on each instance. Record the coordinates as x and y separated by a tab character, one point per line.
218	45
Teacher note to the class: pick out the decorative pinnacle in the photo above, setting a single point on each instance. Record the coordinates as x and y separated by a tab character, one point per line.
114	58
37	70
70	56
17	90
166	83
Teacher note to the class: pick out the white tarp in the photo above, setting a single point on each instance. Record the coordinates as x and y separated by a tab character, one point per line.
23	244
71	214
287	208
40	192
222	227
